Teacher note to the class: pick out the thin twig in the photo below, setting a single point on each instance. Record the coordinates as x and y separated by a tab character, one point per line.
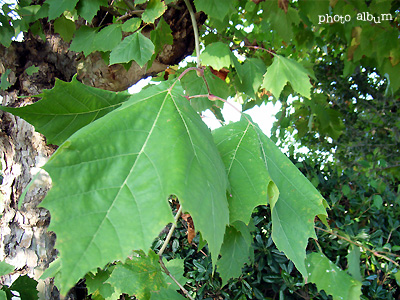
174	279
171	231
376	253
164	246
195	30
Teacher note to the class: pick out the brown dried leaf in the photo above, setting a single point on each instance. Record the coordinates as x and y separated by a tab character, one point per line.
191	232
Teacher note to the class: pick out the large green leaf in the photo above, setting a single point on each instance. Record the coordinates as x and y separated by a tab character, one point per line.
66	108
248	175
112	180
138	276
294	212
330	278
285	70
134	47
3	295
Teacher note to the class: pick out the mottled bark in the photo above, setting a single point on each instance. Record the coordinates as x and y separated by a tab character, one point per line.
25	242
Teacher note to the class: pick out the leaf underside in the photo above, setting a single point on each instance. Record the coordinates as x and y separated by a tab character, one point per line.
109	199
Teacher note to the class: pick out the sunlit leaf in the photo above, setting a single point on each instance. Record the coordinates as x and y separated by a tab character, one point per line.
154	9
132	25
134	47
284	70
216	55
138	276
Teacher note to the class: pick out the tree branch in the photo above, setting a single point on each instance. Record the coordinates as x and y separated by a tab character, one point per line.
376	253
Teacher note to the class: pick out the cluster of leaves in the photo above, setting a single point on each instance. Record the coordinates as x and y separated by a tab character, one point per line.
157	145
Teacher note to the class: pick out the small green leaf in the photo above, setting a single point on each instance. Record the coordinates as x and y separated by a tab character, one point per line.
6	32
65	27
397	277
132	25
330	278
218	9
4	83
138	276
216	55
161	36
353	261
251	73
84	40
66	108
3	295
176	268
57	7
5	268
154	10
26	287
285	70
377	201
112	34
31	70
97	285
89	8
134	47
